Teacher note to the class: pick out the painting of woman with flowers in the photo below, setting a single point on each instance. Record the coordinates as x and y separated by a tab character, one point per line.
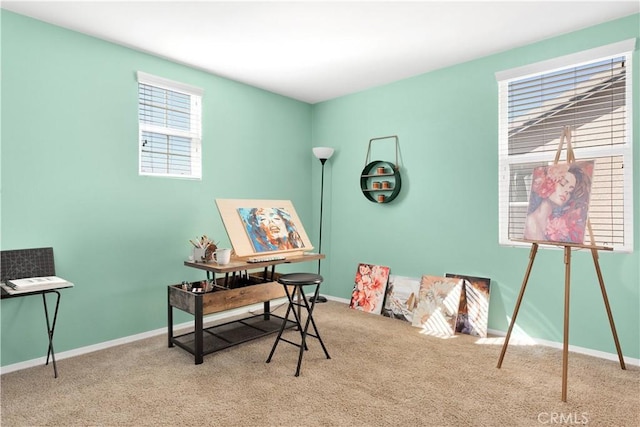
559	202
370	288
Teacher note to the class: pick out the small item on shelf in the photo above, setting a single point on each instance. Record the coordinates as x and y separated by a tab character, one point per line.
376	185
380	198
203	249
381	170
386	185
209	251
222	256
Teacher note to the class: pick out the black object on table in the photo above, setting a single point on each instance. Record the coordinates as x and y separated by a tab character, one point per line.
296	281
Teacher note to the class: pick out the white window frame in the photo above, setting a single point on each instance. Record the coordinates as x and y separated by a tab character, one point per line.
194	134
505	161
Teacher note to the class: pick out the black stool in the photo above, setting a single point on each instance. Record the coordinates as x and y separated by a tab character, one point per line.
296	281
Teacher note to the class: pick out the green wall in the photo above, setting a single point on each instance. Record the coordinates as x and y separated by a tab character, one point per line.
445	220
69	180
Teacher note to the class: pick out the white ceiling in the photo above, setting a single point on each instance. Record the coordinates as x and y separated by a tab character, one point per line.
315	51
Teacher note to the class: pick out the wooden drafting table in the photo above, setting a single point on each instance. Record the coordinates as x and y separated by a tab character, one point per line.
233	289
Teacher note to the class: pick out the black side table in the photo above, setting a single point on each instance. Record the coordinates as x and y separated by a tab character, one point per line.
36	262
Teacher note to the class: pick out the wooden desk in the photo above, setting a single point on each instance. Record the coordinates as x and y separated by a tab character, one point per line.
229	293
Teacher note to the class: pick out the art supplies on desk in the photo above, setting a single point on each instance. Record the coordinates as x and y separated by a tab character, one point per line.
33	284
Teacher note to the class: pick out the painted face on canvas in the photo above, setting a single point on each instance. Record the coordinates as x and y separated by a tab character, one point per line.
564	188
365	269
272	223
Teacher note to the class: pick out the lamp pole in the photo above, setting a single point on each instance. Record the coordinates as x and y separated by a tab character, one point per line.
323	161
323	154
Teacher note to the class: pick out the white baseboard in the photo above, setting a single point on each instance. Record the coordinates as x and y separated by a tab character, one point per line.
258	308
573	348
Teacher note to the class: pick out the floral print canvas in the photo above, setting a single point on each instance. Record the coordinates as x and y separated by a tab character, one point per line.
438	303
369	288
473	312
559	202
402	297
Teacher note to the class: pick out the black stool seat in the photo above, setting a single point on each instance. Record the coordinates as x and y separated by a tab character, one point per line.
300	279
293	284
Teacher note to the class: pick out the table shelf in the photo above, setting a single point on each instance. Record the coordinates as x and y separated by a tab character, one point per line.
229	334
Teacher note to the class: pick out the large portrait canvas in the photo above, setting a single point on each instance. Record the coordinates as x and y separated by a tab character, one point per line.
259	227
402	297
270	229
473	312
369	288
438	303
559	202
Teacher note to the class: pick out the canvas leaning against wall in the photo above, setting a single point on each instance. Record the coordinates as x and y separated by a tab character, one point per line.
401	297
559	202
473	312
369	288
430	302
438	303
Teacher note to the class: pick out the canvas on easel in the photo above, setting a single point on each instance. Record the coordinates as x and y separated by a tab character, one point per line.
263	227
559	199
568	245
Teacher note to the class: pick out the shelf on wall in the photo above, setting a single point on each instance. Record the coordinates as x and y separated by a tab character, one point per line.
388	171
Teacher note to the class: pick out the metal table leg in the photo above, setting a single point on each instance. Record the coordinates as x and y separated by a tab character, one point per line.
51	326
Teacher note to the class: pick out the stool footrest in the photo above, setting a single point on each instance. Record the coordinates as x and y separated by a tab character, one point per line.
291	342
298	304
300	343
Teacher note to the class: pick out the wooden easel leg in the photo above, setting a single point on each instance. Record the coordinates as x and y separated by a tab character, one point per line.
532	257
565	344
594	253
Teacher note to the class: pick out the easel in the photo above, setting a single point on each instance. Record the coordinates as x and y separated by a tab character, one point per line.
566	134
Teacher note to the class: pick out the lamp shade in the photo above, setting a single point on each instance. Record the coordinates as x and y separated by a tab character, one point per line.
323	153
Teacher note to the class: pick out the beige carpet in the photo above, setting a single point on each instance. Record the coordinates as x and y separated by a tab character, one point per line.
382	372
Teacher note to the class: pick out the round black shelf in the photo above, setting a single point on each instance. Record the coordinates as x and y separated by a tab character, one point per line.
370	176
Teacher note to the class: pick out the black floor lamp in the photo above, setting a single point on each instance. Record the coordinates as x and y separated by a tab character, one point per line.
323	154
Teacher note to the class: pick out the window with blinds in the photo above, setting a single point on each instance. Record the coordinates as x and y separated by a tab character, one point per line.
589	94
170	128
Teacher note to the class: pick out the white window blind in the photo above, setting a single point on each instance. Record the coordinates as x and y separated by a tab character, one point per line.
591	94
170	128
